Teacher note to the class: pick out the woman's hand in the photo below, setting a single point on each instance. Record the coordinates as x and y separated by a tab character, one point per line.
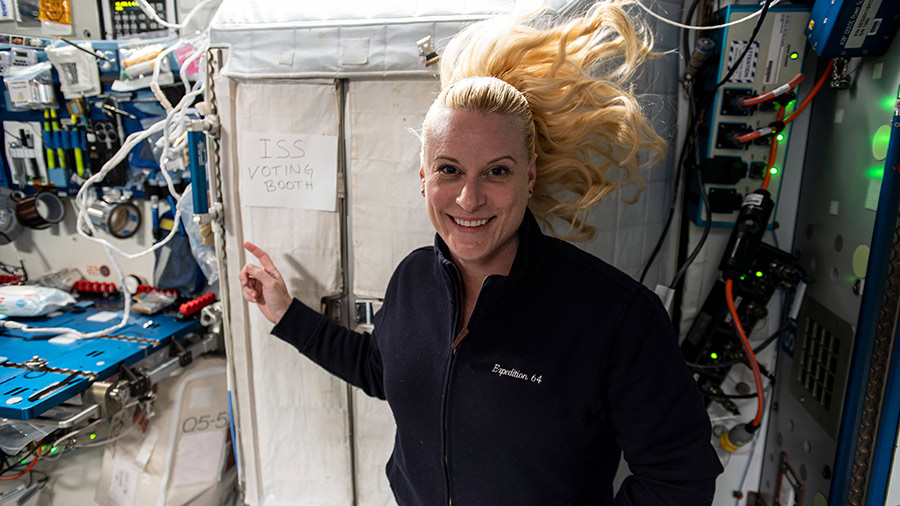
264	285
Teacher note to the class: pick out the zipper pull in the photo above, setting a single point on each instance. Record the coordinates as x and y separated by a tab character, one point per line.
459	337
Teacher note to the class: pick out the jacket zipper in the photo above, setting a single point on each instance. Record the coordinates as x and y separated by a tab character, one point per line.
454	348
446	418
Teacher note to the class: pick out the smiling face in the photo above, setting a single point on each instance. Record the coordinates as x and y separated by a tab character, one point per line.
477	176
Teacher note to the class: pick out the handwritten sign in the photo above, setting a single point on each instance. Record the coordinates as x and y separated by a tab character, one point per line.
289	170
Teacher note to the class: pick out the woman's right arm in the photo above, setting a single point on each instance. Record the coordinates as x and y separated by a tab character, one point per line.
351	356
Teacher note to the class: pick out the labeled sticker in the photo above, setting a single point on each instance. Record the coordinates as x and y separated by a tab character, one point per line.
776	48
746	71
864	25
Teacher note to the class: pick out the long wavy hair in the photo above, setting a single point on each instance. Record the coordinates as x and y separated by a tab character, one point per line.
570	88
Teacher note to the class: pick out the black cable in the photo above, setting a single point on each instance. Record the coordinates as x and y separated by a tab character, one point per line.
17	460
685	34
694	124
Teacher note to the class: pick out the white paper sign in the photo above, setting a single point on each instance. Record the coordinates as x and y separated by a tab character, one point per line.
124	481
289	170
6	10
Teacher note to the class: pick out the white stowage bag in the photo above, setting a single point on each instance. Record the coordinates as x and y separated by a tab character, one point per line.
31	300
184	456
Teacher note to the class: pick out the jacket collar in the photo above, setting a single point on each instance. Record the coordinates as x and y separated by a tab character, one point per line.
498	289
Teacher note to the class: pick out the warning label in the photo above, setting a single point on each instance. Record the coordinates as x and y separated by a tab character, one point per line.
746	71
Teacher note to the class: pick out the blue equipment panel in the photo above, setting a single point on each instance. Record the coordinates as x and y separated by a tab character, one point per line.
847	28
26	393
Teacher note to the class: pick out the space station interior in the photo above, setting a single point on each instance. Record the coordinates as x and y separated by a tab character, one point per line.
146	141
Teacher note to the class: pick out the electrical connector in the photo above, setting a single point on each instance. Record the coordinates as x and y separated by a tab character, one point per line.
737	437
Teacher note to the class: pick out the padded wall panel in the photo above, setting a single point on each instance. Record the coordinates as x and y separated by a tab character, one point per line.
294	416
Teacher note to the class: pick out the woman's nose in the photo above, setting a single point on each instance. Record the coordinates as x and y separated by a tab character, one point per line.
471	196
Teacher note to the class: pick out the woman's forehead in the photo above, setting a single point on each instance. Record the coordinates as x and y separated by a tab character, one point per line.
468	127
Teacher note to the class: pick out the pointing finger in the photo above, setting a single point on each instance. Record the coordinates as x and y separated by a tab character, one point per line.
263	257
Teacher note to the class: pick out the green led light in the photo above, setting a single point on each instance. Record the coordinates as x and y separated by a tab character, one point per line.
780	137
24	461
887	103
795	55
93	436
759	274
773	170
53	450
743	277
714	356
875	173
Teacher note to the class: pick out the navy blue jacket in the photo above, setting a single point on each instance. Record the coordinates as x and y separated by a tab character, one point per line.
565	364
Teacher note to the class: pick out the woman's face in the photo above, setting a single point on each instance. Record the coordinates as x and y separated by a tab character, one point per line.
477	177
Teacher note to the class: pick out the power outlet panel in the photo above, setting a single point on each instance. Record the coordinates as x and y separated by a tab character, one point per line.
730	169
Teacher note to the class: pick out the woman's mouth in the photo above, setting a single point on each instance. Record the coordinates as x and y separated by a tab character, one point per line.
471	223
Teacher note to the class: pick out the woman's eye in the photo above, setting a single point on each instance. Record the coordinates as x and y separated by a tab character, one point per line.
498	171
447	169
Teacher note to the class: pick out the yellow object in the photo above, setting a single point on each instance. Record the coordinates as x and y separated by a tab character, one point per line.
51	161
55	11
726	444
148	53
79	162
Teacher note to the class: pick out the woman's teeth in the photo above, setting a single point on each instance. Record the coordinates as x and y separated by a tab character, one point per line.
471	223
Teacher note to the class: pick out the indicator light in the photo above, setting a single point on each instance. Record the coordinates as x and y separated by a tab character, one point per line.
759	274
780	137
714	356
875	173
93	436
773	171
795	55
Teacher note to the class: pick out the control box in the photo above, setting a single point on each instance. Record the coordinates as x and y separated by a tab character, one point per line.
124	19
847	28
729	168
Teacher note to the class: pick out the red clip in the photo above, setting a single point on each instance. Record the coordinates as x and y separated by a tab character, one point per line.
191	307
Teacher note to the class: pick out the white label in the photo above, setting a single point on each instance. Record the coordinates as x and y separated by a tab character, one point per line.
19	93
776	48
746	72
839	116
199	458
834	207
877	71
753	199
856	35
873	193
123	485
289	170
102	316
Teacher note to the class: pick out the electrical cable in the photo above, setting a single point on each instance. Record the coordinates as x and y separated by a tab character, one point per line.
729	296
152	14
762	346
691	27
37	456
773	152
175	119
685	34
107	440
765	97
812	93
688	140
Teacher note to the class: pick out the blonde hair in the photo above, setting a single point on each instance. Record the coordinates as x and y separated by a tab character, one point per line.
569	86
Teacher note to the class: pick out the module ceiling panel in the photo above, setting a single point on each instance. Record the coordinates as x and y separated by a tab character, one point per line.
354	38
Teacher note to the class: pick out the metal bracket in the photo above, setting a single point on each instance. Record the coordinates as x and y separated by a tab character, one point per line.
333	307
177	350
365	311
138	383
